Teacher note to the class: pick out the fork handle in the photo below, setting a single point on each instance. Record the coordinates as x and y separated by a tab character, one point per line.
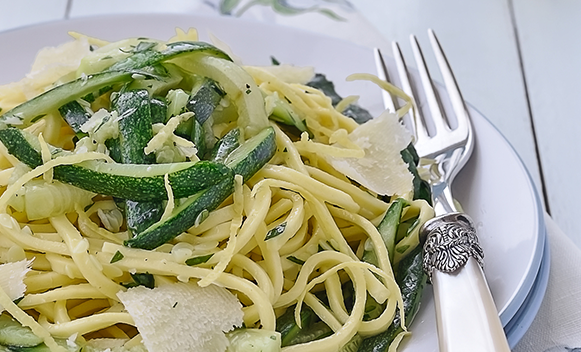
466	316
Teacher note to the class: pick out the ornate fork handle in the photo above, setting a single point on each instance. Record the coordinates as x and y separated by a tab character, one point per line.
450	240
467	319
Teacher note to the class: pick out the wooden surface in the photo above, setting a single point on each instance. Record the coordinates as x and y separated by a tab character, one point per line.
517	62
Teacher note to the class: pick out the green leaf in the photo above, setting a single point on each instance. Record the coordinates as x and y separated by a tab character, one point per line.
141	279
199	260
116	257
277	231
422	189
295	260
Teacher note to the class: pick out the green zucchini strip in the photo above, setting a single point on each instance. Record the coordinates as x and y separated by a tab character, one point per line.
135	131
225	146
253	154
172	51
193	210
24	114
125	181
246	161
75	115
123	71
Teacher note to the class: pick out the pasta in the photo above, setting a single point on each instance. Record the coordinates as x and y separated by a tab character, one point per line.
296	234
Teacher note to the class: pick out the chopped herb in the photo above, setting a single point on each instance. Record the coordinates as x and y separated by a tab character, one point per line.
277	231
248	91
116	257
199	260
284	150
141	279
295	260
175	305
274	61
16	301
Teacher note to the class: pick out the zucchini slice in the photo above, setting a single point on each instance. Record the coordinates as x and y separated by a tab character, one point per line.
191	212
120	72
127	181
75	115
24	114
225	146
246	161
135	129
14	335
135	132
158	109
141	182
173	50
248	158
204	99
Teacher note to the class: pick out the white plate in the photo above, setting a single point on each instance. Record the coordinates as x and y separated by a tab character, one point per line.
494	188
516	328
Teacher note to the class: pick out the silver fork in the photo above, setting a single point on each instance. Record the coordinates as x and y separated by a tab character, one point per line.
467	319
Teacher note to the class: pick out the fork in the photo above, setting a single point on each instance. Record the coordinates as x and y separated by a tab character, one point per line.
466	317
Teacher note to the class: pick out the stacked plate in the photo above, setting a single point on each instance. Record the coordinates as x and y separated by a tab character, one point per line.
494	188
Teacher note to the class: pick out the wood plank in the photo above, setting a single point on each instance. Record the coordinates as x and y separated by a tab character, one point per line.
30	12
549	38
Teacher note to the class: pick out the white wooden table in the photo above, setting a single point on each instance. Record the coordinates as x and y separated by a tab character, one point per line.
516	61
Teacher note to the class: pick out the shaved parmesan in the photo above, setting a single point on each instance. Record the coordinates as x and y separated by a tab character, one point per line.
183	316
12	278
382	169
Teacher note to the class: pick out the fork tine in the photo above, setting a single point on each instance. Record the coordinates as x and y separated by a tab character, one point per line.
433	104
381	68
450	83
416	125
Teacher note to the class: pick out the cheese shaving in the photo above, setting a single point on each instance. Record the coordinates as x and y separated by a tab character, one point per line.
12	278
381	170
183	316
